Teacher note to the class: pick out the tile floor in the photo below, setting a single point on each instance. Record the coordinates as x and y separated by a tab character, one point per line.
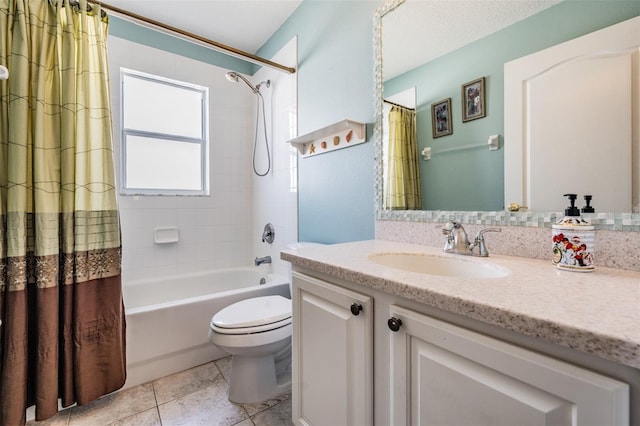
193	397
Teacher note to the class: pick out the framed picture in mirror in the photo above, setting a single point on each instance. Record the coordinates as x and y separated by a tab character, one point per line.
473	100
441	122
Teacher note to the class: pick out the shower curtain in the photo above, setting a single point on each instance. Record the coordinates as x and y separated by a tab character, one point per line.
402	184
63	328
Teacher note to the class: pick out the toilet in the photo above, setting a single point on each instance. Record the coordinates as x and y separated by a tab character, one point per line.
257	333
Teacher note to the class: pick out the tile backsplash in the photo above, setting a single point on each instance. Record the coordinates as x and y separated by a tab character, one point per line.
613	249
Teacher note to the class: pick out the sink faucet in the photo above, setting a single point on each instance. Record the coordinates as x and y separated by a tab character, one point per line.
260	260
458	242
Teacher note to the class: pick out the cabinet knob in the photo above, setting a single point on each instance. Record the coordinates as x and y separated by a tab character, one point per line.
394	323
356	308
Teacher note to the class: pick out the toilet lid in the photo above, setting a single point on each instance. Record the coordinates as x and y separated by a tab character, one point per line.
254	312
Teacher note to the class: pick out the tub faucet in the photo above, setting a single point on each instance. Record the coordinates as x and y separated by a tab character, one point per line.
260	260
457	240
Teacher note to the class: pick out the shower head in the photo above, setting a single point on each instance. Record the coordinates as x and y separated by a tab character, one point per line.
234	77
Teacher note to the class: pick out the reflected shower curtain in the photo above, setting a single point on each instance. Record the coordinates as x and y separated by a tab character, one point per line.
63	330
402	186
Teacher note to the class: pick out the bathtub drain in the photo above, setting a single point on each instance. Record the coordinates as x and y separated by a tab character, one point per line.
263	281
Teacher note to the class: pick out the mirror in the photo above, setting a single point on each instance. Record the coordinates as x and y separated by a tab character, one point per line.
483	170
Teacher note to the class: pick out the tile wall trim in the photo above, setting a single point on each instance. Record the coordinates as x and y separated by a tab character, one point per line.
602	221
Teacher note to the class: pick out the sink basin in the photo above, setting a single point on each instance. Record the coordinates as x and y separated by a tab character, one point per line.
439	265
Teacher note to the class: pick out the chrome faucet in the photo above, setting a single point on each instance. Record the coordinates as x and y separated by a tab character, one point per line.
260	260
458	242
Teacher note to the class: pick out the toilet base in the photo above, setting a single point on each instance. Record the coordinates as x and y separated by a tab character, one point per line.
259	378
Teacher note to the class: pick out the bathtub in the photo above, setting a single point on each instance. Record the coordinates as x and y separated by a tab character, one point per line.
168	318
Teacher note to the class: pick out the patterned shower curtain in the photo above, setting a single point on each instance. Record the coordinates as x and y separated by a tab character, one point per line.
402	183
63	327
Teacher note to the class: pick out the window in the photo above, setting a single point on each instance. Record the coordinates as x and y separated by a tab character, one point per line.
164	135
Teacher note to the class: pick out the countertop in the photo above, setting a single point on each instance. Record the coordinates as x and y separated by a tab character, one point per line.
595	312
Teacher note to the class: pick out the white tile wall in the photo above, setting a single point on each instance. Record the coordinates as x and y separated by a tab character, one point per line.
222	230
275	197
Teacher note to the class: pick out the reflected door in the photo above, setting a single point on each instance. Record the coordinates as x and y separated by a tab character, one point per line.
569	122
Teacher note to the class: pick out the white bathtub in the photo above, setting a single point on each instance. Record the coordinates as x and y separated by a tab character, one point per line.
168	318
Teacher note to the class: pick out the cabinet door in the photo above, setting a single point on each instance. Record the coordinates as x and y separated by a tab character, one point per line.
442	374
332	354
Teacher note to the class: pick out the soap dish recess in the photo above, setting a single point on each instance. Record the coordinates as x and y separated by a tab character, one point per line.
165	235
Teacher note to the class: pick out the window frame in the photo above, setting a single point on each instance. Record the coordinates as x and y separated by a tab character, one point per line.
203	140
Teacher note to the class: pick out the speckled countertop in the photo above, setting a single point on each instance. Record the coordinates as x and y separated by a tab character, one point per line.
596	312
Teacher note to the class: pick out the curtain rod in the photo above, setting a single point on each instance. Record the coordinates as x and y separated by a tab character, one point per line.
398	105
216	45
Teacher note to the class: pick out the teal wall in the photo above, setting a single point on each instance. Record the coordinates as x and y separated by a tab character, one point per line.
335	81
478	174
149	37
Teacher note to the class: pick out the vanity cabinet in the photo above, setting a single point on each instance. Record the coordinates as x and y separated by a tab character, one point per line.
428	370
332	362
444	374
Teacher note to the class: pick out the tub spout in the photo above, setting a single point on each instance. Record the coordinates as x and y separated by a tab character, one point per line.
260	260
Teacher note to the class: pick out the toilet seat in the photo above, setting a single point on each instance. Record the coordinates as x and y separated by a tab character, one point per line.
255	315
251	330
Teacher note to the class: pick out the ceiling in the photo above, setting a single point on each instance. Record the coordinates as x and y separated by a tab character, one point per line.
427	28
242	24
431	28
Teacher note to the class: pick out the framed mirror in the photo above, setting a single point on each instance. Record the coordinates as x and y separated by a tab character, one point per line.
473	178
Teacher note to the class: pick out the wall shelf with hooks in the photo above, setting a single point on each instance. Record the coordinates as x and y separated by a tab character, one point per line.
339	135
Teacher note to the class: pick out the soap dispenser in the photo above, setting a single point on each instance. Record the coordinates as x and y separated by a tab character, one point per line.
573	240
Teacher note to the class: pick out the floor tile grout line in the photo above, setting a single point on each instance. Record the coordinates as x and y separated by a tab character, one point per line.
158	412
155	398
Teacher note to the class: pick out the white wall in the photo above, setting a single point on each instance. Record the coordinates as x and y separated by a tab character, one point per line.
215	231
